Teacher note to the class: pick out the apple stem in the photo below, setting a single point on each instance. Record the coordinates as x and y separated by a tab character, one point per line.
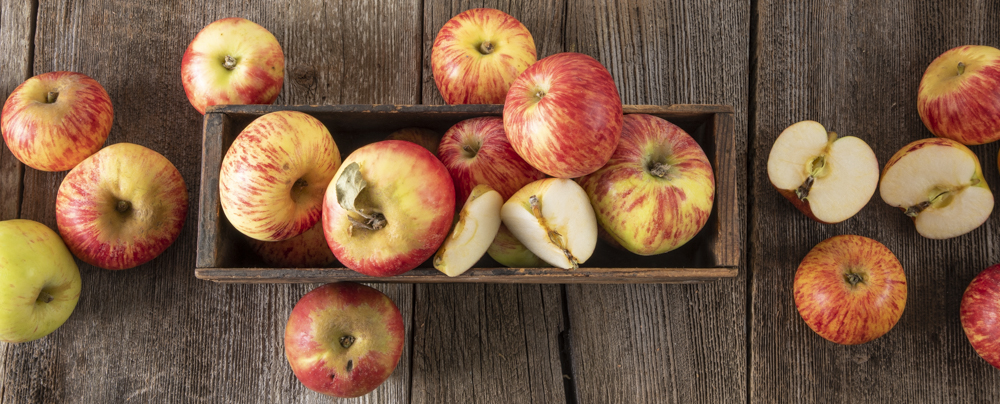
51	97
659	169
45	297
230	63
347	340
486	48
123	206
961	68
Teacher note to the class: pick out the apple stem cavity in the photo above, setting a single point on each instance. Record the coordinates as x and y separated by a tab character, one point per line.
45	297
123	206
486	47
470	151
854	279
961	68
347	340
229	63
51	97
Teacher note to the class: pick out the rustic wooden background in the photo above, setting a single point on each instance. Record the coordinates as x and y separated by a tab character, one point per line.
157	334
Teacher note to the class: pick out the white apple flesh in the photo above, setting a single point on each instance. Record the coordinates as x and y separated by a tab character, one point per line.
477	226
554	219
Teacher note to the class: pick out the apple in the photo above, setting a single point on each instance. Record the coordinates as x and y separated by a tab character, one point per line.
509	252
232	61
307	250
959	95
980	314
657	190
389	209
53	121
427	138
828	178
478	54
121	207
41	283
563	115
477	226
553	218
274	176
344	339
850	289
938	182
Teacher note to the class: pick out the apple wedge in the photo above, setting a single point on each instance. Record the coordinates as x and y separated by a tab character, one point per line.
939	183
828	178
477	226
554	219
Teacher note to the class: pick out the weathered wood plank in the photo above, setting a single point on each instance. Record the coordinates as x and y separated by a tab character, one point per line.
855	67
488	343
665	343
156	333
16	23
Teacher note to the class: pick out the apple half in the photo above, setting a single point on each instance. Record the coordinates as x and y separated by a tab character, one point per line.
939	183
828	178
554	219
474	231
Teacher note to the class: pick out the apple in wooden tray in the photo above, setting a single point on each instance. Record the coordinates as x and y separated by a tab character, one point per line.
554	219
939	184
980	314
121	207
473	233
274	176
307	250
427	138
389	209
959	95
53	121
563	115
828	178
850	289
232	61
477	55
656	192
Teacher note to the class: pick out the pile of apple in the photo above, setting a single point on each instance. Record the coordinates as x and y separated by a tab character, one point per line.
852	289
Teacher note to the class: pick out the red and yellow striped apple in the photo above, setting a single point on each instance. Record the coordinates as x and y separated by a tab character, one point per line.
657	190
478	54
959	95
850	289
389	209
563	115
344	339
232	61
274	176
53	121
980	314
121	207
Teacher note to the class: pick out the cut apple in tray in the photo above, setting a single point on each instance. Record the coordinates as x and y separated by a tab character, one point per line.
554	219
939	183
477	226
828	178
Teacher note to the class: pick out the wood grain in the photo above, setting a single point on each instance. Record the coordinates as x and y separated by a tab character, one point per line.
856	68
156	333
16	31
665	343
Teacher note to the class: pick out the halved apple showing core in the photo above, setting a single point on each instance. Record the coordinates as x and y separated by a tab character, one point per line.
828	178
474	231
939	183
554	219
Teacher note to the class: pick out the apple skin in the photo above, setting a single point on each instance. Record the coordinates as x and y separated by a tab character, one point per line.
121	207
412	189
274	176
427	138
962	103
256	77
563	115
980	314
58	135
838	311
335	312
33	260
463	73
307	250
644	213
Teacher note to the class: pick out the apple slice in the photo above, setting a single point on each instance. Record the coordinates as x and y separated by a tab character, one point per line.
939	183
477	226
554	219
828	178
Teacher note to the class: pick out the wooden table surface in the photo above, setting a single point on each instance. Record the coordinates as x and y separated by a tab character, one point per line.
157	334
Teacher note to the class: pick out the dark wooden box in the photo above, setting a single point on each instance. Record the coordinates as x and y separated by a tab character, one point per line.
225	256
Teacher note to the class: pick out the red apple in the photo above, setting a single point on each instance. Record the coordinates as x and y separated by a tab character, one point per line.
274	176
344	339
427	138
53	121
307	250
478	54
656	192
980	314
563	115
389	209
121	207
959	95
850	289
232	61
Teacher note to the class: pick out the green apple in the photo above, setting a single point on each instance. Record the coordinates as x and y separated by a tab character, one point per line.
41	283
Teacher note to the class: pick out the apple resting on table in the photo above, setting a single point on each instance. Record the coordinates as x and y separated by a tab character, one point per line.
828	178
43	280
939	184
980	314
53	121
554	219
232	61
344	339
121	207
959	95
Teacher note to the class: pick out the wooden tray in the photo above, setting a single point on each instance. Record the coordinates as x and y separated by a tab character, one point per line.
225	256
